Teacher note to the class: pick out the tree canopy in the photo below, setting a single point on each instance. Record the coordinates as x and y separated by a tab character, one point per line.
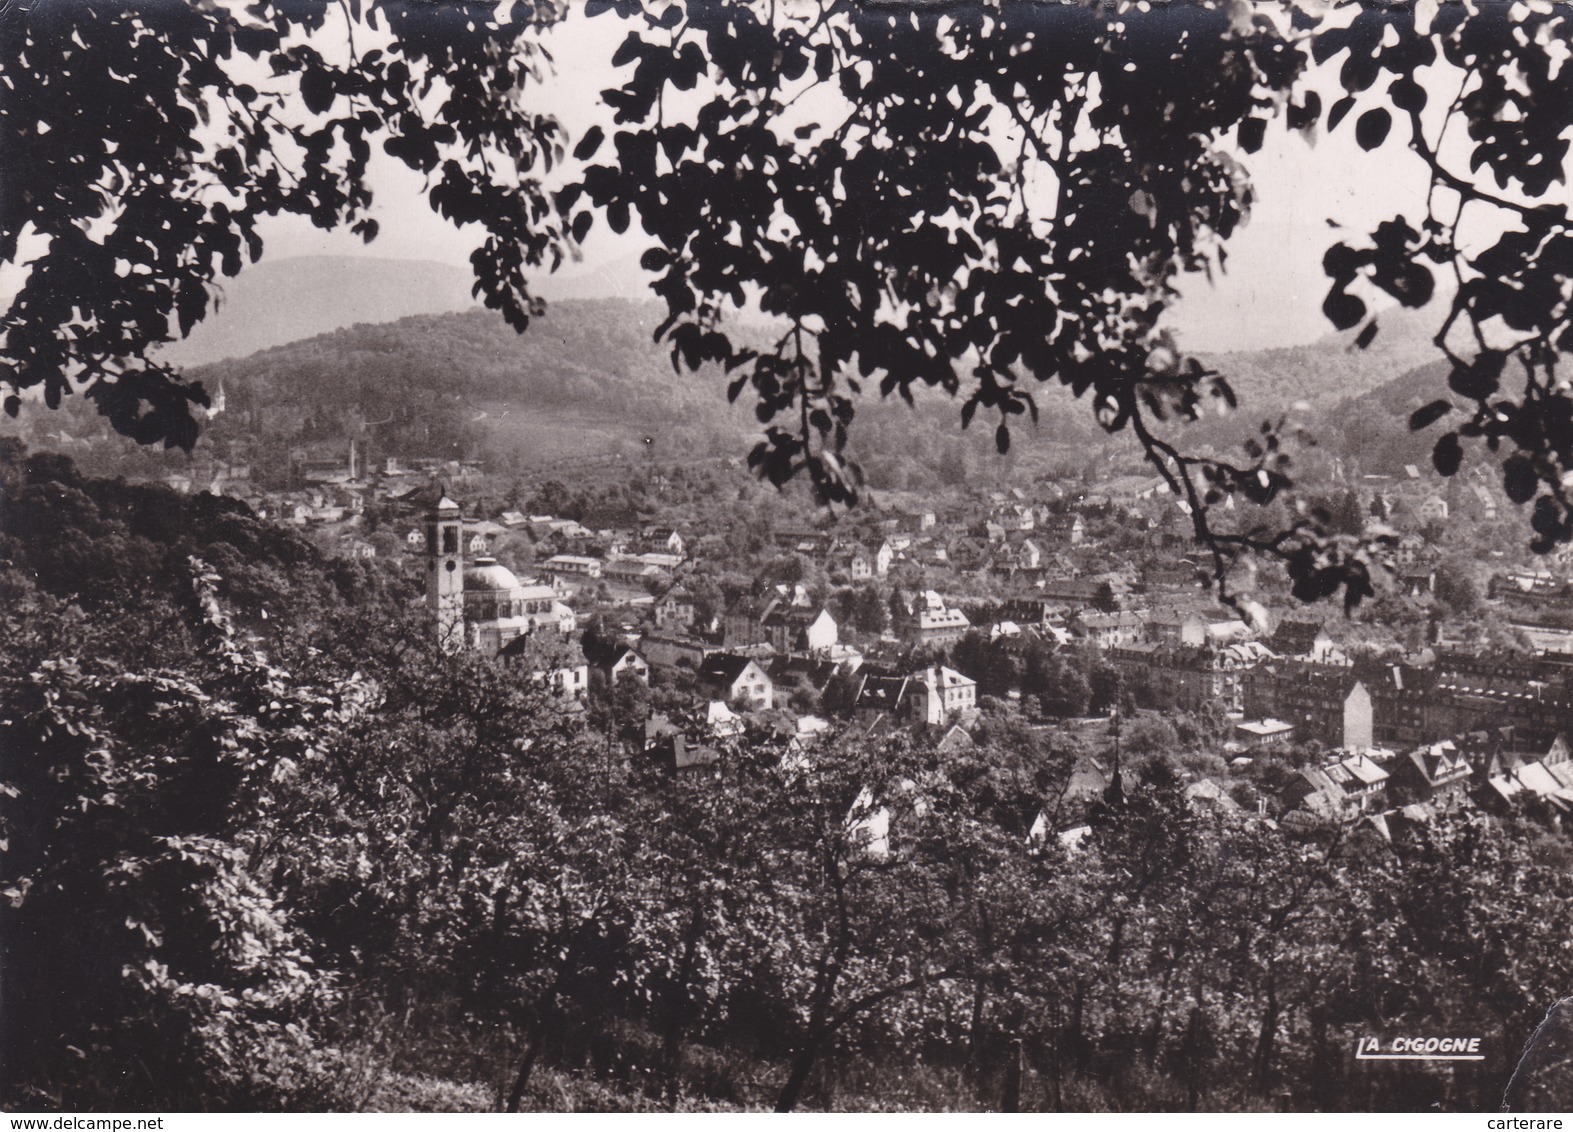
977	198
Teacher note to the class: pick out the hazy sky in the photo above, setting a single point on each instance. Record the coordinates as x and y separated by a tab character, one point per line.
1270	295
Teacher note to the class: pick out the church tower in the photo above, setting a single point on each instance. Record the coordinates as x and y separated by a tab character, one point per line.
445	572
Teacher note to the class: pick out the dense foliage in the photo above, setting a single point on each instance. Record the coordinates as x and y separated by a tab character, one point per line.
358	872
979	200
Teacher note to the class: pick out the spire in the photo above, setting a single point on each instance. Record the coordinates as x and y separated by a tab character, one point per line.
445	568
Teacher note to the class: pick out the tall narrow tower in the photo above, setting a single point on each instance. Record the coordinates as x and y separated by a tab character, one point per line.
445	572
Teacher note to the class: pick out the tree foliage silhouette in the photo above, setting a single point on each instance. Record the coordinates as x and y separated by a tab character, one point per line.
977	198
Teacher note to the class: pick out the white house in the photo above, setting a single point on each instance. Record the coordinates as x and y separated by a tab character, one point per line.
940	692
869	825
574	565
731	677
791	629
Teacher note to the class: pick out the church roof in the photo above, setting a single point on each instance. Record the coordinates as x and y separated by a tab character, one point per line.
487	574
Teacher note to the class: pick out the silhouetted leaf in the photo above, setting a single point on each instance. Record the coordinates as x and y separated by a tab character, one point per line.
1339	111
1251	134
1518	478
1372	127
1407	94
1428	415
1303	115
1342	309
1480	379
589	143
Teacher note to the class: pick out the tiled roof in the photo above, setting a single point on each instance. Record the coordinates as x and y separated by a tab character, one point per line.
724	666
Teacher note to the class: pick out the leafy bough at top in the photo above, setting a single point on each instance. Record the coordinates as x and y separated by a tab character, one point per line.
916	239
970	197
145	145
1508	299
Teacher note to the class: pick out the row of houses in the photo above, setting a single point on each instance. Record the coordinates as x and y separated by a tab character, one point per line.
653	541
1342	704
1376	788
1034	544
1188	677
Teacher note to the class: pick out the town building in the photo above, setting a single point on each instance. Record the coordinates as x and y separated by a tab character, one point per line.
1324	702
929	622
1303	639
734	678
618	661
670	650
791	629
573	566
482	607
1188	678
674	610
1260	734
1437	776
932	695
939	693
1343	789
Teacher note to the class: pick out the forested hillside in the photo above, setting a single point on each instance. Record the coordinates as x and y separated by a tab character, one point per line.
597	356
1374	427
109	549
586	378
441	385
585	353
1332	368
465	384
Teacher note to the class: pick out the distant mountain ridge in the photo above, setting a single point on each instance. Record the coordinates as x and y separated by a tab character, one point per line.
586	378
583	353
590	364
279	301
1332	368
285	300
282	301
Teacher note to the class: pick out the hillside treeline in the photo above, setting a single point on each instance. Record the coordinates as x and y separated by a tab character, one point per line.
465	386
586	354
443	386
305	861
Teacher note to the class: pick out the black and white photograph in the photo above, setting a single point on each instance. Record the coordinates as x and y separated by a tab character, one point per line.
759	556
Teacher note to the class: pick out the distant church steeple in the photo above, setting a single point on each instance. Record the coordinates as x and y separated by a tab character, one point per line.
445	571
216	402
